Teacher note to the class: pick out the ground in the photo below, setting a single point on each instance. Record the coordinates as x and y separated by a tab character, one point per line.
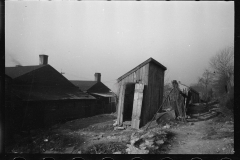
207	133
203	137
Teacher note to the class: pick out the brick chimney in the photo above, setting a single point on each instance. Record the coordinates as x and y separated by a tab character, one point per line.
43	59
97	77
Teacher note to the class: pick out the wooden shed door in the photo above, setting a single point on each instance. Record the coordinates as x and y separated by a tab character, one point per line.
137	105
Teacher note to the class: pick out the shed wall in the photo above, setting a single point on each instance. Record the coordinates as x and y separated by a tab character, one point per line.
154	93
139	75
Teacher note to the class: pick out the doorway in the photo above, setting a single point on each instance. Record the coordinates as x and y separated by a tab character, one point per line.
128	102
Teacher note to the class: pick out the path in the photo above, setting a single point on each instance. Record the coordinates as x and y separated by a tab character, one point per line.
203	137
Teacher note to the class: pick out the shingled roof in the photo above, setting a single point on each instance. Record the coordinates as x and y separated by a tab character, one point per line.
83	85
15	72
41	93
94	88
42	82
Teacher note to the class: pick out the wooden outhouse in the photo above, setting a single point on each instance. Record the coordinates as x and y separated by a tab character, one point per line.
134	105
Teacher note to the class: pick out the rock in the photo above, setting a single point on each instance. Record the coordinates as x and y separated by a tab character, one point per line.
119	128
166	126
125	139
134	140
69	149
49	152
133	150
115	124
150	140
117	152
140	131
143	147
150	135
159	142
149	143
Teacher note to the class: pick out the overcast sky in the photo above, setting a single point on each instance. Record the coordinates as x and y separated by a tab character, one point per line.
111	38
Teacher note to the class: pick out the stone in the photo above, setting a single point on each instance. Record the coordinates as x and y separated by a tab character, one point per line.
119	128
134	140
143	147
115	124
159	142
134	150
148	143
117	152
69	150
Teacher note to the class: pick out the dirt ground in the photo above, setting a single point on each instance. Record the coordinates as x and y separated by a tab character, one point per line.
203	137
207	133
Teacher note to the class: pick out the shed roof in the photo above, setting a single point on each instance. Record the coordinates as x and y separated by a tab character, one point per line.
15	72
193	90
141	65
83	85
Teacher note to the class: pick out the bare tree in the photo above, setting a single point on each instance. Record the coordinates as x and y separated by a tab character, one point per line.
223	65
206	80
223	61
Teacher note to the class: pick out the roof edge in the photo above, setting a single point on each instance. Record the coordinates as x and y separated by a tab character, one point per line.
141	65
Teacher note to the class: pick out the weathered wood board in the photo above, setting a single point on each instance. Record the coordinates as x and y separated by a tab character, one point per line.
137	105
121	104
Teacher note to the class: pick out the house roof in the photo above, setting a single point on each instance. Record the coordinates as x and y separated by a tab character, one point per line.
141	65
94	88
15	72
41	93
83	85
30	83
109	94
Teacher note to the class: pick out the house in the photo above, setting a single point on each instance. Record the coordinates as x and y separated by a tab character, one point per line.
106	99
39	96
195	96
151	74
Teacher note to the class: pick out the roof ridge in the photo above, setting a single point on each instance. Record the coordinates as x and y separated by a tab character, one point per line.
27	66
141	65
15	72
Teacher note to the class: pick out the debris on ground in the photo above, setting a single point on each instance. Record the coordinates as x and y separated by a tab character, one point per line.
143	142
102	135
106	148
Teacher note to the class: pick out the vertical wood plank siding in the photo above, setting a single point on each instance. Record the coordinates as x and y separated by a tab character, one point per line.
152	76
